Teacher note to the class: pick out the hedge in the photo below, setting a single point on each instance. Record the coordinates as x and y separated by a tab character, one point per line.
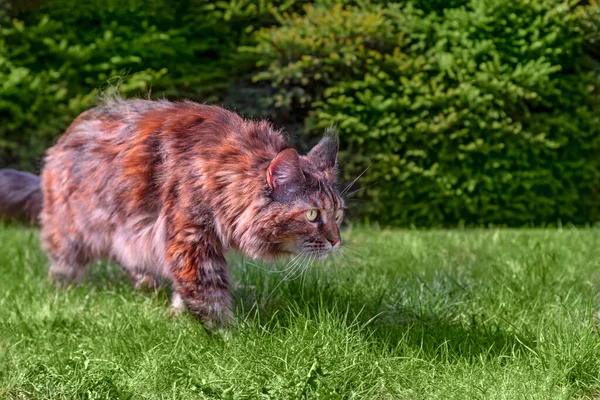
487	112
475	112
58	57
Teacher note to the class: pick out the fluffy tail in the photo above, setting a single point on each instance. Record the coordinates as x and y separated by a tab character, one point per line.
20	196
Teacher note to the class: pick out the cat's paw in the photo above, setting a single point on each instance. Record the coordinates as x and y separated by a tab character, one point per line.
221	329
178	306
224	333
145	282
215	316
61	276
221	322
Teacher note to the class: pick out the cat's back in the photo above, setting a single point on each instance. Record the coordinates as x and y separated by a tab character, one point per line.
127	132
119	152
163	128
121	121
128	150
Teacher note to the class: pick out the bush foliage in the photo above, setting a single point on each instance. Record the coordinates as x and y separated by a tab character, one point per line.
481	111
487	112
56	59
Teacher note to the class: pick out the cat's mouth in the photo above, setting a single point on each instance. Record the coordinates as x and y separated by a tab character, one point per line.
322	256
311	249
317	252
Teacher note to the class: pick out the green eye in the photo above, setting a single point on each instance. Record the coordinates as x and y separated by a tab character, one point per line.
338	215
312	214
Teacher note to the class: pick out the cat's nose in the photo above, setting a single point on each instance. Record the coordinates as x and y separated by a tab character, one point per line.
334	241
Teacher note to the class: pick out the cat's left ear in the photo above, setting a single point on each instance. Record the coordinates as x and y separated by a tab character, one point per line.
325	152
284	169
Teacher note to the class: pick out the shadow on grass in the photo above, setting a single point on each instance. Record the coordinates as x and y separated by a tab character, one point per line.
435	331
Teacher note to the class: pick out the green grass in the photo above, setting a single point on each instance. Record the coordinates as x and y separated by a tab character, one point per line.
441	314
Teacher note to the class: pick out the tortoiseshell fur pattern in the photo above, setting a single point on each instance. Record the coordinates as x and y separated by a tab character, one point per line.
167	188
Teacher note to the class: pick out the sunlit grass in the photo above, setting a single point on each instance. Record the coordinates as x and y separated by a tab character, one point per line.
407	314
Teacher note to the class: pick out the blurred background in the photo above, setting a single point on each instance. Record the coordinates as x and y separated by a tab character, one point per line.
475	113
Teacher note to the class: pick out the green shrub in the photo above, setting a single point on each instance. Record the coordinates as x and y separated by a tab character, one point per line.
487	112
55	58
482	111
53	61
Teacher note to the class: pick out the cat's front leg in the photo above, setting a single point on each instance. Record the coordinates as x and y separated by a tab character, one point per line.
201	279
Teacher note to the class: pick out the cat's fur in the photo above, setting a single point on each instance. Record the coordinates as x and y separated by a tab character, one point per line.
20	196
165	189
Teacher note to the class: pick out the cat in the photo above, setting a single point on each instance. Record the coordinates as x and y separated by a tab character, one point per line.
167	188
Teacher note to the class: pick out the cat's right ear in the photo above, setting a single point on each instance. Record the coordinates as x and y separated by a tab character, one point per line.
284	169
325	153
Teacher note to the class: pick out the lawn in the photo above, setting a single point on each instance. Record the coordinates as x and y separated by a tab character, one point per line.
407	314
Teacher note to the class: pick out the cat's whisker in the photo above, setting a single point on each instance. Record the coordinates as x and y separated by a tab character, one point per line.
302	268
344	258
269	270
346	247
274	289
259	267
294	265
337	266
289	277
354	258
285	278
347	196
304	274
339	263
290	266
354	181
292	262
309	264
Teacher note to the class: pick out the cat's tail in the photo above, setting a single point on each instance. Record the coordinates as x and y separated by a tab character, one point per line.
20	196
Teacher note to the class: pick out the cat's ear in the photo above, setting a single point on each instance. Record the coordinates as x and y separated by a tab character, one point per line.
325	153
284	169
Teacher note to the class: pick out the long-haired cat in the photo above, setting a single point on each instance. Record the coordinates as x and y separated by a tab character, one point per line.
166	188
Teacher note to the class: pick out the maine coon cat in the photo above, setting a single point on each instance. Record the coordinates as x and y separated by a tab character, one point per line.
167	188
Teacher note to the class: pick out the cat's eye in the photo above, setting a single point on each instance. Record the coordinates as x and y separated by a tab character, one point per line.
312	214
338	215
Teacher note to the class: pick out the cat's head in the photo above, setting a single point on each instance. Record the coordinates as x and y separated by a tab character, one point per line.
307	208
